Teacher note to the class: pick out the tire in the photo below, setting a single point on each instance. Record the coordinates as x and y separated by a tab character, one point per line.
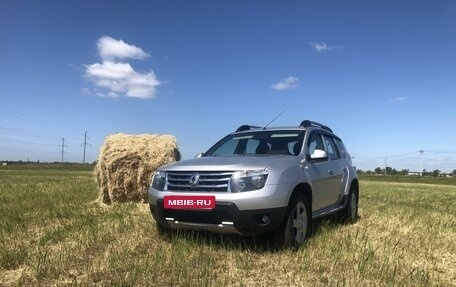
296	226
162	229
350	212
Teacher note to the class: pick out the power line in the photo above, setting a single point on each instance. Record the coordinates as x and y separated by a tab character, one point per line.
26	134
39	105
32	121
401	155
34	146
429	151
26	150
27	142
27	120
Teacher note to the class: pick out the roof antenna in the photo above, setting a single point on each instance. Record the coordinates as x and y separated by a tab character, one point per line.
273	120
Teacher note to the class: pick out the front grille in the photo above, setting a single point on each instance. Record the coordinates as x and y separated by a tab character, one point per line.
209	181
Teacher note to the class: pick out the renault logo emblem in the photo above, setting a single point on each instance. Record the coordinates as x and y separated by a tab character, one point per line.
193	180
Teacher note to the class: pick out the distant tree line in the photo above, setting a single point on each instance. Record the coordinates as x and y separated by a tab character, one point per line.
38	163
393	171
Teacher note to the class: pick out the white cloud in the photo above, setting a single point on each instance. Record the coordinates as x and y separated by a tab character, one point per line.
321	47
121	78
110	70
110	49
115	78
398	99
286	84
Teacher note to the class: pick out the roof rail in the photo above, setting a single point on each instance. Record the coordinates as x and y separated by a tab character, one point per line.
307	123
246	128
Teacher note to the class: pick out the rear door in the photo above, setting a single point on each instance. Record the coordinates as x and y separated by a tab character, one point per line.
336	170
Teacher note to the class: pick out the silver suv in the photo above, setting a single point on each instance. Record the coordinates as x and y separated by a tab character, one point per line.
259	180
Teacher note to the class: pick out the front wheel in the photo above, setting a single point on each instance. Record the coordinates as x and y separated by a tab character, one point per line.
162	229
295	228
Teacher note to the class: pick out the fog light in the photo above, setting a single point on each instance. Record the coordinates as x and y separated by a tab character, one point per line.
265	219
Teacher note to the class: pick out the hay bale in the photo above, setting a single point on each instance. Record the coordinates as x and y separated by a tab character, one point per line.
127	162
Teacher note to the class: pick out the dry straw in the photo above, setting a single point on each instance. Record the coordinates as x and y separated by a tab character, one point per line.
127	162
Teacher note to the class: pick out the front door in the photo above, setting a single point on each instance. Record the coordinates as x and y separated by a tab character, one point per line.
327	175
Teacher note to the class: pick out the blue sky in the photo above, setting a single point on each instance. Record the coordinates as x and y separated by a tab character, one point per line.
381	74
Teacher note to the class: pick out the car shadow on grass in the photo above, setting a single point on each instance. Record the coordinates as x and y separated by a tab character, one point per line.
258	244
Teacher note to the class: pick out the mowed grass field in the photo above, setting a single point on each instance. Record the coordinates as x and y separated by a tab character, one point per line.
53	232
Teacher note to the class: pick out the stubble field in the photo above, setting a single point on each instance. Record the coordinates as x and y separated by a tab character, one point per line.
53	232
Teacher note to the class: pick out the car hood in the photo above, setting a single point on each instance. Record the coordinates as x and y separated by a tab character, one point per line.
223	163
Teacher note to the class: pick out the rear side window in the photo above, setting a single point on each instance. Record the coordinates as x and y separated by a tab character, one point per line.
331	147
342	149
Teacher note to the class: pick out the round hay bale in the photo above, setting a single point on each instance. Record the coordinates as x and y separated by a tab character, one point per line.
127	162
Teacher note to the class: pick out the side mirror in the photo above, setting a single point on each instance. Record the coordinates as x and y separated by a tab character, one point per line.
308	157
319	155
201	154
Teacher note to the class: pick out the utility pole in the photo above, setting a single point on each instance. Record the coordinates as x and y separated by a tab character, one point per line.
63	147
421	159
385	165
85	145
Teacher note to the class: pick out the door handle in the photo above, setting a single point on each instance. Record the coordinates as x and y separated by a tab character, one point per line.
330	171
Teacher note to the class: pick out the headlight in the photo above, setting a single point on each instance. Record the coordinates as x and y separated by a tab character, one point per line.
248	180
159	180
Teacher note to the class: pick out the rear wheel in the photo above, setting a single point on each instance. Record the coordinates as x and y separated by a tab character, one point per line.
295	228
350	212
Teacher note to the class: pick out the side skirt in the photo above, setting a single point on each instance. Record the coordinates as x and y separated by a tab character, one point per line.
331	209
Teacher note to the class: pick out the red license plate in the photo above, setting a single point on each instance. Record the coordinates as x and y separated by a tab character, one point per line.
189	201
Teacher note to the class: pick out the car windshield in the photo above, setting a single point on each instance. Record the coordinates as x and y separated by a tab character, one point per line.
281	142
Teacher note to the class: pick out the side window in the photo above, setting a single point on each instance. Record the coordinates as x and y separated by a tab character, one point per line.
251	146
226	149
340	145
331	148
294	148
315	143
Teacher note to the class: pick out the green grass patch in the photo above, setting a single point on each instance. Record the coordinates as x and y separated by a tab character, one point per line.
410	179
54	232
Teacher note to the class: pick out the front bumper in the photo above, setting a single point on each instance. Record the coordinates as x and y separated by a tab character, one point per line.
225	218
